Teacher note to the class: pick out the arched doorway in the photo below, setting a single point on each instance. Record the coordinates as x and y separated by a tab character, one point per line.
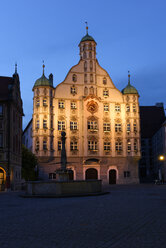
2	179
112	176
91	173
71	175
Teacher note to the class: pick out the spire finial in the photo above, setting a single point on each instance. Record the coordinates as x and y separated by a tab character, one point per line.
128	77
86	27
43	67
16	68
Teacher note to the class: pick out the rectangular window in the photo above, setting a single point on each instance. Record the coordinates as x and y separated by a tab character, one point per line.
118	127
128	128
127	108
106	107
91	77
118	146
45	102
61	125
73	125
92	145
117	108
1	109
37	145
105	93
126	173
37	124
135	146
44	145
73	105
59	145
106	127
1	140
107	146
73	146
134	108
52	176
128	146
92	125
135	127
37	102
61	105
85	78
44	124
73	90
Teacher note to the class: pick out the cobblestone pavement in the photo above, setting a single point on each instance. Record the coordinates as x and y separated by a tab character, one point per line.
129	217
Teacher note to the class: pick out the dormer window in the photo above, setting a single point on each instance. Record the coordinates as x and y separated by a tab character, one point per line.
61	105
105	93
44	102
104	81
74	78
73	90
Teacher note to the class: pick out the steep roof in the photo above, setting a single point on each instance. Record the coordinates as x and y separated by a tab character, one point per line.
152	118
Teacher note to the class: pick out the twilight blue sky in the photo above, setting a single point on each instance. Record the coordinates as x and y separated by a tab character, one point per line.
130	35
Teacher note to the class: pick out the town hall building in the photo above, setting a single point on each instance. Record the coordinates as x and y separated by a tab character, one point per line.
102	124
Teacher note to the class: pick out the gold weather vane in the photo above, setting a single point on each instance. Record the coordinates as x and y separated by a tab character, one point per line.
128	77
86	27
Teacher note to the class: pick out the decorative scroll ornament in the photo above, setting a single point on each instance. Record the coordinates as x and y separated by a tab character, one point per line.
92	107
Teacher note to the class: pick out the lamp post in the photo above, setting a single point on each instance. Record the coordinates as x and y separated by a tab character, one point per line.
161	158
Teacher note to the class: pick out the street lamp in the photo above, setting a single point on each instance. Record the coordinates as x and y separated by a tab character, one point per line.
161	158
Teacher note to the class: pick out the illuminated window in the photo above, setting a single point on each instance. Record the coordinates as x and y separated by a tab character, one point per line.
85	66
118	146
92	145
44	144
73	90
92	125
37	102
104	81
128	129
44	124
73	125
37	124
134	108
44	102
74	78
128	146
117	108
37	145
85	78
135	145
107	146
61	105
127	108
1	109
106	127
73	146
118	127
61	125
105	93
135	127
73	105
1	140
59	145
106	107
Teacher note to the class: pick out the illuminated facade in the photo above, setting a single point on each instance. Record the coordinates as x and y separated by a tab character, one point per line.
102	124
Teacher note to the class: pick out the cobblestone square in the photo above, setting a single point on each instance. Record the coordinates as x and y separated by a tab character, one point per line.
130	216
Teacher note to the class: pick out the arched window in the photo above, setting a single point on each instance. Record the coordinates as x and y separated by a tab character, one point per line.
104	81
85	91
85	66
91	65
90	55
91	77
85	78
74	78
84	55
91	90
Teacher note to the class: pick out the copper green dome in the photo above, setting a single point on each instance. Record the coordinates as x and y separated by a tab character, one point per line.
43	81
87	37
129	89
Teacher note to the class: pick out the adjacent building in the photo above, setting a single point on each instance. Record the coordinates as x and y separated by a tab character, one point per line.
11	113
102	124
